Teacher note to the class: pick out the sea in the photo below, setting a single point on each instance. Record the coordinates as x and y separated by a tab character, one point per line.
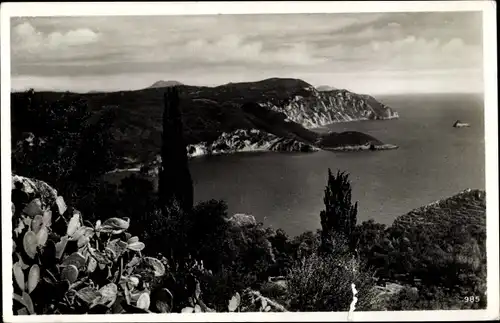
434	161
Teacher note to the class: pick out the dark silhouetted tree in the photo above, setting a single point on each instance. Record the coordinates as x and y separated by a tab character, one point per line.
338	220
175	183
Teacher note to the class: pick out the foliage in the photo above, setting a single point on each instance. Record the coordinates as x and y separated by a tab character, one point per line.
60	141
339	216
65	265
69	266
368	235
323	283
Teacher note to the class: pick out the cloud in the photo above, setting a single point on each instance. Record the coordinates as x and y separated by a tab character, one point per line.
72	37
27	38
236	49
407	53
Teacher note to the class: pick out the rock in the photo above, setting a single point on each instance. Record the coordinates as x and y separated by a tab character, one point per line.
292	145
243	220
253	301
389	290
459	124
274	287
33	188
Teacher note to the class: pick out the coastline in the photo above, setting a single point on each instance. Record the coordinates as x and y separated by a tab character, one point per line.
363	148
265	148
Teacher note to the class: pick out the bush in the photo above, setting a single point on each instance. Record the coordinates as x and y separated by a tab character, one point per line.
318	283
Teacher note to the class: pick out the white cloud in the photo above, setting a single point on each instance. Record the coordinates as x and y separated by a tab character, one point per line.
72	37
230	49
28	38
409	52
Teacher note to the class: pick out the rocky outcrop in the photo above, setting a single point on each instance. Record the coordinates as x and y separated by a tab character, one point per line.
460	124
292	145
316	108
31	198
243	140
33	188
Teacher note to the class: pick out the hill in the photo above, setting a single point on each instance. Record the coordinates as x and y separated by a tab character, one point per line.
437	247
286	108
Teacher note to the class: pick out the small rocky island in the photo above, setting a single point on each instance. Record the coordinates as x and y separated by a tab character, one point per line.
460	124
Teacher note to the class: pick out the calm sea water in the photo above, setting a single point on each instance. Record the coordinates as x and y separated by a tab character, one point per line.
434	161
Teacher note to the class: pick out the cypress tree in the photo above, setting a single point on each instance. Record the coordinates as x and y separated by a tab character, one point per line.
175	183
340	215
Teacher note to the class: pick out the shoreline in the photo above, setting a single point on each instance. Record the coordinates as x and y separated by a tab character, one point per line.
137	168
363	148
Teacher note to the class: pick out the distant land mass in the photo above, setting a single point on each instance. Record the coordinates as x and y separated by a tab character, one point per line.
160	84
273	114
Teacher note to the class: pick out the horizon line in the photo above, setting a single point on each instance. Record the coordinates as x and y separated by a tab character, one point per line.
12	90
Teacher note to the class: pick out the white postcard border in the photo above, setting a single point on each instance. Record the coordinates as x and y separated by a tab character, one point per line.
201	8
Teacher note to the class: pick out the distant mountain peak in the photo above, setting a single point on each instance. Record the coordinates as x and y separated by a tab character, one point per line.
162	83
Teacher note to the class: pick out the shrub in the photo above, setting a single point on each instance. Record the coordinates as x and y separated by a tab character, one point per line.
318	283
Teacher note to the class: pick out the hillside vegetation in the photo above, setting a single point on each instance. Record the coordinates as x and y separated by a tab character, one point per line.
282	107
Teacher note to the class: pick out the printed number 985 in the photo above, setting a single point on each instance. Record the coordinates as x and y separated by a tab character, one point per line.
471	299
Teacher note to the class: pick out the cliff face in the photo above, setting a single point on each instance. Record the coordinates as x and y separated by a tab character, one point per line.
321	108
243	140
300	102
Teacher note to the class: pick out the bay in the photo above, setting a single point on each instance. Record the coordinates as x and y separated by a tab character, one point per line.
433	161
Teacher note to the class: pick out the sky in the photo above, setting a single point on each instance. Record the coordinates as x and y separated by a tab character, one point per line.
373	53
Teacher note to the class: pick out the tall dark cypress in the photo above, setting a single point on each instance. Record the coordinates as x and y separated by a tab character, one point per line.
175	183
340	215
